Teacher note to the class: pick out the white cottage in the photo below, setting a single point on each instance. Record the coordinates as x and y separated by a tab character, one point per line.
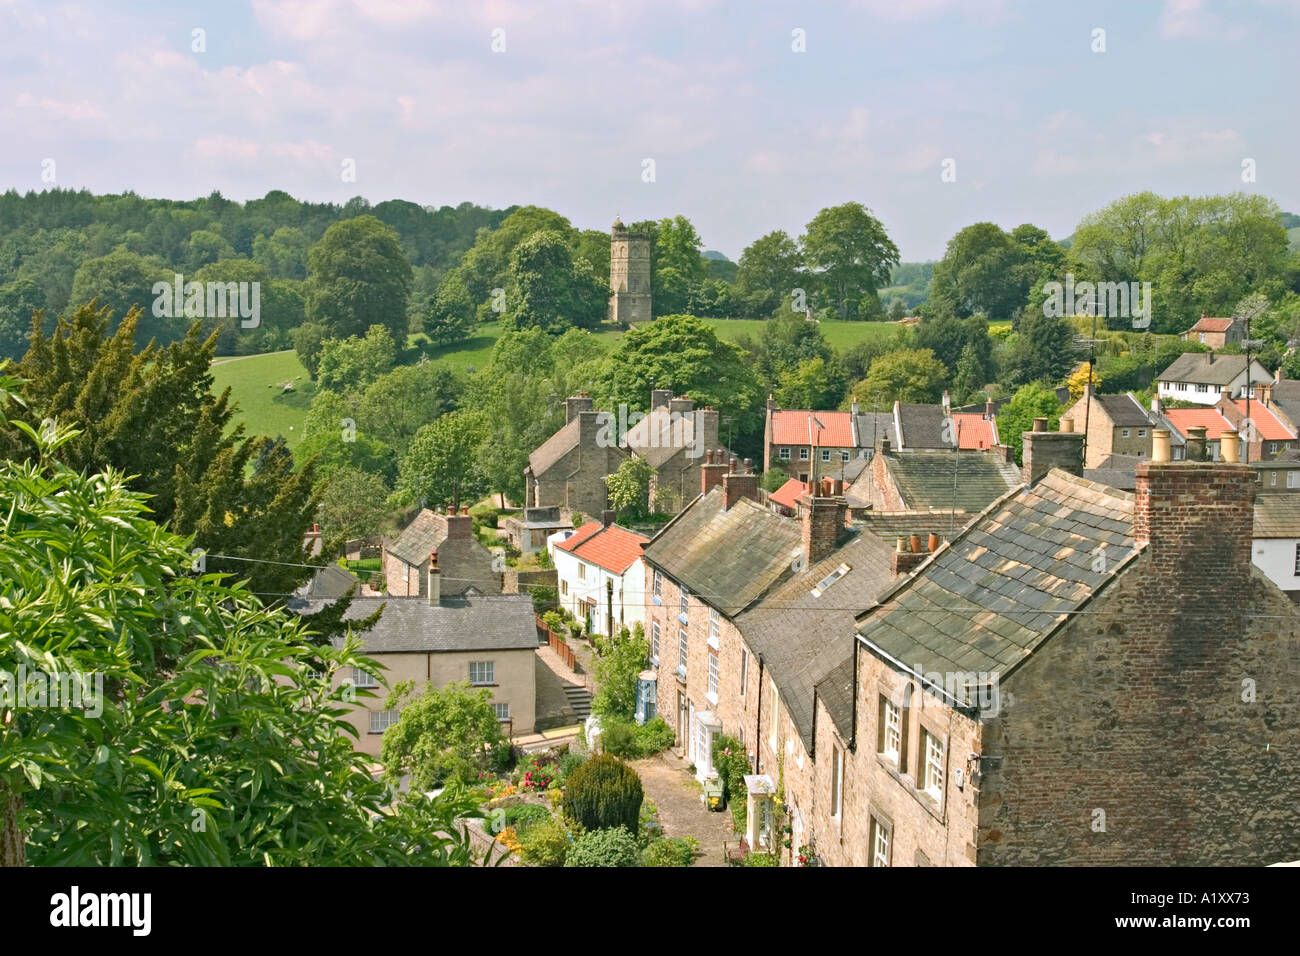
600	575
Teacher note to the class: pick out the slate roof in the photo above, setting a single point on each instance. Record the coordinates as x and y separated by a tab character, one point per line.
418	538
500	622
1277	516
873	426
727	558
791	427
890	524
986	600
1196	368
331	581
947	480
613	548
801	636
661	435
465	563
922	426
556	447
835	690
1123	411
1117	471
1286	397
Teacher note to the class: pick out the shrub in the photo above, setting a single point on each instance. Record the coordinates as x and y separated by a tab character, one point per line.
603	793
760	859
625	739
670	851
523	817
568	763
614	846
547	843
653	736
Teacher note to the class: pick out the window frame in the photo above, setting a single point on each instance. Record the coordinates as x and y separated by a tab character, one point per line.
711	688
683	644
491	673
654	642
803	454
880	828
385	717
826	454
369	679
837	782
715	627
744	671
931	742
496	707
888	729
783	454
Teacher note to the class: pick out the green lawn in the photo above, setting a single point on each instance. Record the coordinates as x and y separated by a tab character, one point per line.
257	384
257	381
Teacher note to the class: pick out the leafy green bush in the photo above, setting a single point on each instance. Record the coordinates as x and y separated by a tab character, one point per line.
524	817
568	763
760	859
614	846
670	851
653	736
547	843
603	793
622	738
619	660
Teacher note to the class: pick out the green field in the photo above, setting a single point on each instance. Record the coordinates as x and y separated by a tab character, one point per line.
257	382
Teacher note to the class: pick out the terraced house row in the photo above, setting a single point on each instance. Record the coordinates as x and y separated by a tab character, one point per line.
1072	674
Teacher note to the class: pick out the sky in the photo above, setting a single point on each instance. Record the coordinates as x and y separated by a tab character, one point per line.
745	116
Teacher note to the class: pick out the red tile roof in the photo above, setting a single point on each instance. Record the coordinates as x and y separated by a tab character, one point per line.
1267	427
974	431
613	548
789	493
1184	418
1207	324
797	428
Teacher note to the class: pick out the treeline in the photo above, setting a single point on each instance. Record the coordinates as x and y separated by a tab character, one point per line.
59	248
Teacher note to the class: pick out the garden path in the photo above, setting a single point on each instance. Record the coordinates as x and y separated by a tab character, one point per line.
682	813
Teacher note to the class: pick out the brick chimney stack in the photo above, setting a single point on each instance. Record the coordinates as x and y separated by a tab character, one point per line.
823	510
458	525
576	404
1197	518
712	471
435	580
741	482
660	397
1044	450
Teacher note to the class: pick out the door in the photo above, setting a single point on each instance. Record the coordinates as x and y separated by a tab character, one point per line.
690	737
682	726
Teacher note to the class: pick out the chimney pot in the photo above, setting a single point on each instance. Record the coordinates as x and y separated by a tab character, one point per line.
934	542
1228	445
915	544
1067	424
1160	445
1040	424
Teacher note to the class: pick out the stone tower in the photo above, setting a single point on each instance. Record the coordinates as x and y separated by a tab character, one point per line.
629	275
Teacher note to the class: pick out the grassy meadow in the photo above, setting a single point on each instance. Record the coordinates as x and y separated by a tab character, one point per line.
257	382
